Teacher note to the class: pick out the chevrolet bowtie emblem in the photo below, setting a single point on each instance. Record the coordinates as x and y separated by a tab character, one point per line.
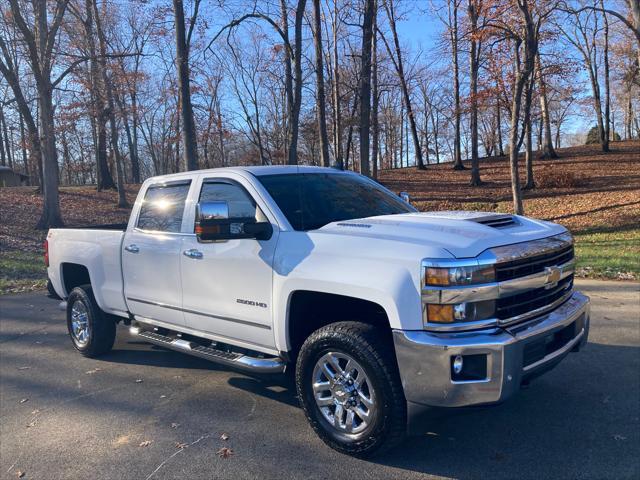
553	276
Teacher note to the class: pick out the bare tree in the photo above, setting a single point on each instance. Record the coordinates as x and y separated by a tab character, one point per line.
474	8
399	67
183	44
547	144
320	95
453	6
375	124
365	86
108	89
40	39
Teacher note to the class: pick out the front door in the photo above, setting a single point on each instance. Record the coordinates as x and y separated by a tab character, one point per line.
227	285
151	254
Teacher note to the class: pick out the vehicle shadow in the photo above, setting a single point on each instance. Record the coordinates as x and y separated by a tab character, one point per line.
572	422
579	420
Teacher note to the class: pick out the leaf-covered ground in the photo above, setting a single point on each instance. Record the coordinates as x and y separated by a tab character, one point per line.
596	195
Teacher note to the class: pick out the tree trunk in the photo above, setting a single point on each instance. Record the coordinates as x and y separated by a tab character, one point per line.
547	143
398	64
99	115
4	140
365	87
516	103
106	84
457	154
607	94
320	95
473	66
297	84
530	182
375	130
189	139
500	151
336	93
51	216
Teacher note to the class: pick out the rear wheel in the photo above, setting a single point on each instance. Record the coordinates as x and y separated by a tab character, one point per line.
92	332
350	389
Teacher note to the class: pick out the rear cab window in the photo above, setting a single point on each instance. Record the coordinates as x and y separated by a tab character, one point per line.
163	207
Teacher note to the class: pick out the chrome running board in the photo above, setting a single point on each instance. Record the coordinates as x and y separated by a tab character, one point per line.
231	359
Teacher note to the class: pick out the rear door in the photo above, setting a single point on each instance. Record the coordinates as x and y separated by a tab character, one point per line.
151	254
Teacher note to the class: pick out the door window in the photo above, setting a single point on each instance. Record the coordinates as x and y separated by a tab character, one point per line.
240	202
163	207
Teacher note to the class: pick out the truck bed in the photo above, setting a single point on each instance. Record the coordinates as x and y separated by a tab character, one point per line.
98	249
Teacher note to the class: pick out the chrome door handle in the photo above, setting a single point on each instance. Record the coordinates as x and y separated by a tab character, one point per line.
193	253
133	248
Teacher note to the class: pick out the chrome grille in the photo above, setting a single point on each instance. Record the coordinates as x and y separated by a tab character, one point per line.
522	303
533	264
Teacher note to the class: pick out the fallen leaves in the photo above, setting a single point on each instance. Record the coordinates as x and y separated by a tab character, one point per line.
145	443
225	452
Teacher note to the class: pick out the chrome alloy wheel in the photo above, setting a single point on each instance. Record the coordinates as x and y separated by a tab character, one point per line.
80	323
343	392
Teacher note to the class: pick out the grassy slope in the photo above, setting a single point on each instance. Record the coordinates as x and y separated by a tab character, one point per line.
601	206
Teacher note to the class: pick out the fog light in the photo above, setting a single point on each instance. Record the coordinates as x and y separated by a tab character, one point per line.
457	364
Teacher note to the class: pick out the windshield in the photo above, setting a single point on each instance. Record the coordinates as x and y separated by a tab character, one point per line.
312	200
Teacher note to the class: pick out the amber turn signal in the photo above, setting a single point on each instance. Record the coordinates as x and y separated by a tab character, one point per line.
440	313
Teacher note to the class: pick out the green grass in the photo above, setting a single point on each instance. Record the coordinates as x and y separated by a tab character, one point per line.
609	254
21	272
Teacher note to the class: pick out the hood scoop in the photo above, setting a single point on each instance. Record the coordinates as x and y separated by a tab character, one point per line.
495	220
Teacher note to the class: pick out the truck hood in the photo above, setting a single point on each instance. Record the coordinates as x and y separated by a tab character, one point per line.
463	234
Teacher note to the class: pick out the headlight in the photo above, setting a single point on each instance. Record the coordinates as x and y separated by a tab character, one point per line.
466	275
460	312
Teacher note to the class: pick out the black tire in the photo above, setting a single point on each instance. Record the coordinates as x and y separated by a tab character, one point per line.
373	350
102	327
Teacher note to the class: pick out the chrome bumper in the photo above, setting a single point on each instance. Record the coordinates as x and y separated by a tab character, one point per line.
513	355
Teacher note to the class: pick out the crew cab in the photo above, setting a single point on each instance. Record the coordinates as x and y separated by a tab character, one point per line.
379	309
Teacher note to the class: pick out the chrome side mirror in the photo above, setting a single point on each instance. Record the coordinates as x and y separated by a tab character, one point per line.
405	196
213	224
212	211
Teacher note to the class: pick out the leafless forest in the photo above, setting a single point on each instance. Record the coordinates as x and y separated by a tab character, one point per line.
110	92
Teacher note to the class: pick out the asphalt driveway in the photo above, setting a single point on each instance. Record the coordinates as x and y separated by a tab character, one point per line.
145	413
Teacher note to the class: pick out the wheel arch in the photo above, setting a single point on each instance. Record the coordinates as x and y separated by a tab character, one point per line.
310	310
73	275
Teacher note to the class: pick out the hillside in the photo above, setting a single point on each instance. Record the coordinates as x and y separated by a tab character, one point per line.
596	195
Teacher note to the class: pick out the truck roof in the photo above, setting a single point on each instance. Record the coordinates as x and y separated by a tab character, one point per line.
261	170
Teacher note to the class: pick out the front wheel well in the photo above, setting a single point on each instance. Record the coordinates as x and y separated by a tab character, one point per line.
74	275
309	311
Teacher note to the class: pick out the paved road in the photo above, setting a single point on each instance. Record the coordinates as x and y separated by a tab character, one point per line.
63	416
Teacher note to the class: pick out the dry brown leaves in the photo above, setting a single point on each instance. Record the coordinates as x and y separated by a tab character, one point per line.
584	189
225	452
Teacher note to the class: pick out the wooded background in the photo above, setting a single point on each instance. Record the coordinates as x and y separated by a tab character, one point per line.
110	92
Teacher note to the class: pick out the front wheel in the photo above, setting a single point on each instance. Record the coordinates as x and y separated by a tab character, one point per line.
92	332
350	389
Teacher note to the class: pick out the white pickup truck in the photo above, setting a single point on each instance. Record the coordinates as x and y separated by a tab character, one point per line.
381	310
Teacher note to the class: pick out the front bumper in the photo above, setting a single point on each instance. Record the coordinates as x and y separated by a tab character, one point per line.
513	355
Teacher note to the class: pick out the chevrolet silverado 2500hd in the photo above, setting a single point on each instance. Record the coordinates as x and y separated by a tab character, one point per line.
379	308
